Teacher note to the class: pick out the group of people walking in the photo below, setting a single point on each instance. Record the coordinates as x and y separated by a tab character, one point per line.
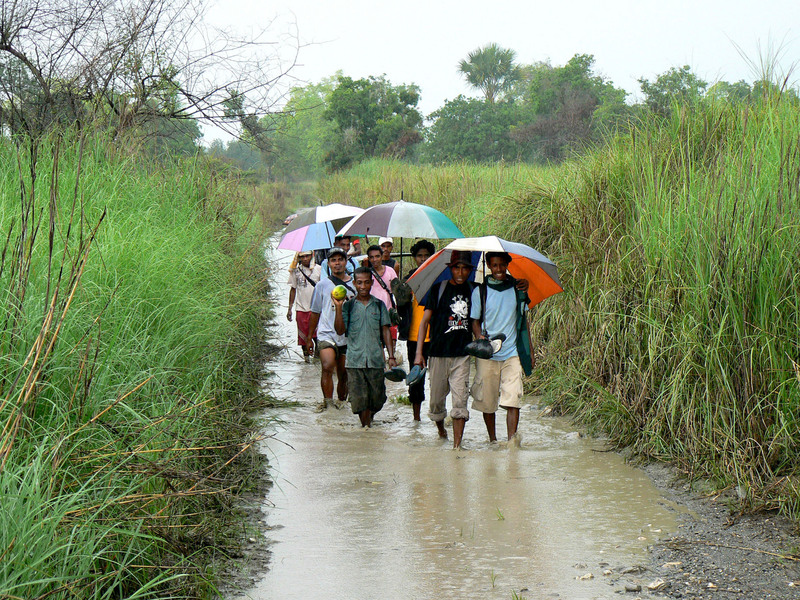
355	335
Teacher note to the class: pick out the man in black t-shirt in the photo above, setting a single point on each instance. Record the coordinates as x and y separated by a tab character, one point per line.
447	310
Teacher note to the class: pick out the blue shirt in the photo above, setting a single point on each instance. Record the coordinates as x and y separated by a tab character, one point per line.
322	304
500	317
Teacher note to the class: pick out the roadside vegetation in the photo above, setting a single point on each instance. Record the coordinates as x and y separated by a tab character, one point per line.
132	275
133	303
678	250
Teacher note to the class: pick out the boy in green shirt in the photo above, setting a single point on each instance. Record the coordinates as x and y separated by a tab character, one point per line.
365	321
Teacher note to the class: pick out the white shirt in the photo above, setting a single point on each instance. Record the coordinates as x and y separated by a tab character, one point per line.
303	289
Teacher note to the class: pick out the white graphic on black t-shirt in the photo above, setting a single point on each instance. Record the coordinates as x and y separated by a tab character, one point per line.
459	313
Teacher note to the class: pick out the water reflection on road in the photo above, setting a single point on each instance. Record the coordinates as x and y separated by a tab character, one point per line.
393	512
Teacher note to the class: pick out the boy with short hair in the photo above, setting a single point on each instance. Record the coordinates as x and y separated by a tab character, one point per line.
365	321
332	346
302	281
498	380
387	245
447	309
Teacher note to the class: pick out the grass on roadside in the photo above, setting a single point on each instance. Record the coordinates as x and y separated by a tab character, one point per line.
131	314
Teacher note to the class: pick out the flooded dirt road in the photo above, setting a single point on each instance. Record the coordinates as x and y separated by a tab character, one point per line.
394	512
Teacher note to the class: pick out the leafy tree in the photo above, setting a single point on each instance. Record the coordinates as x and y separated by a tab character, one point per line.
769	90
471	129
372	118
239	154
304	134
491	69
569	106
166	137
677	85
733	92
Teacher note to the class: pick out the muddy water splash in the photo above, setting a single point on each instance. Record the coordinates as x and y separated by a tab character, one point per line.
394	512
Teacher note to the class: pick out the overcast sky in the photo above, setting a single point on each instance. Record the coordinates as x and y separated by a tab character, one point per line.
421	42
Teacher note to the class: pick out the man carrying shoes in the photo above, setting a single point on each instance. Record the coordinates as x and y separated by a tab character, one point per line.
447	310
499	308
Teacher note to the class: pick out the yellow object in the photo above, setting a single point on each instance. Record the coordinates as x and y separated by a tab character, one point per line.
416	319
339	292
295	260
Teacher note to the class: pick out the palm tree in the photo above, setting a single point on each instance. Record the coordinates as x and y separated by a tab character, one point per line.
491	69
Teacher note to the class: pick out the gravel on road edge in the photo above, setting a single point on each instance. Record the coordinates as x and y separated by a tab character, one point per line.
716	553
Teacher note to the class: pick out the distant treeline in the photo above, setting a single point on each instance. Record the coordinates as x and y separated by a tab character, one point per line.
534	113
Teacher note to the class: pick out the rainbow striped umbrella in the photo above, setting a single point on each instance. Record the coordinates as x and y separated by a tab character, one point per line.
404	220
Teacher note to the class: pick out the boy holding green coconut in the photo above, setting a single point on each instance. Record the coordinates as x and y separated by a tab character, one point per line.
365	321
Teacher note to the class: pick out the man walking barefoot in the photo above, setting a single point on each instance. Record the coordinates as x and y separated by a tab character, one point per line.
497	307
332	346
302	281
447	310
410	317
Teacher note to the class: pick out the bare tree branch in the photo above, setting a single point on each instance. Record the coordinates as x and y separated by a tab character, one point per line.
132	59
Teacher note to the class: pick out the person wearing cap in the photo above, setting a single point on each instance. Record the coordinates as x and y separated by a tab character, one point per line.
343	242
447	309
332	345
303	278
410	317
387	244
499	308
365	321
355	246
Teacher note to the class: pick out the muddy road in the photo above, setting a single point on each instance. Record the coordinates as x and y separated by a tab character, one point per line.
394	512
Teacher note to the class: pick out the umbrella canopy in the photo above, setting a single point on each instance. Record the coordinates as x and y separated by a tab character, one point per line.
316	236
337	214
402	219
526	263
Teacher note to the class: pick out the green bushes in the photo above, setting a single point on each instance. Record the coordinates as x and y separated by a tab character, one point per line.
678	249
132	302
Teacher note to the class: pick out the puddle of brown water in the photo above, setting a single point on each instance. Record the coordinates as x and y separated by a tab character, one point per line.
393	512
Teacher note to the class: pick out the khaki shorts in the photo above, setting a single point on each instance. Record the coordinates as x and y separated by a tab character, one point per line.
340	350
497	383
448	374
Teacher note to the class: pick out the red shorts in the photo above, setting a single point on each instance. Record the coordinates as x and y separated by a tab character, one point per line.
302	319
393	330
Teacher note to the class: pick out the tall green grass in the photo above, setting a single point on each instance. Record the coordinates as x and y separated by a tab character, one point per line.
131	307
678	248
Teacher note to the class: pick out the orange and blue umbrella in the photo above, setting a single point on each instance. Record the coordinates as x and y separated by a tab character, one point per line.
526	263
